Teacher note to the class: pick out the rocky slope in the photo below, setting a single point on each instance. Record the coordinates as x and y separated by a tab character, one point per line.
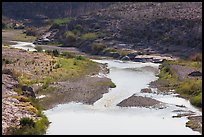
13	108
155	27
32	10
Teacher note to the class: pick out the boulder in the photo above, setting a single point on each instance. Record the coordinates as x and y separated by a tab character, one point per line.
125	58
138	60
132	55
114	54
28	91
195	74
157	60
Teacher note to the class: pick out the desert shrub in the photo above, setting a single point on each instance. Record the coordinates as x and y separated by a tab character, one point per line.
79	27
196	100
68	54
29	127
98	47
196	57
70	36
4	26
26	121
76	32
38	48
56	66
89	36
112	85
55	53
109	50
61	21
31	31
80	57
190	87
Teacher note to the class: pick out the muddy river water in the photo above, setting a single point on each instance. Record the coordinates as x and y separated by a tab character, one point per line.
105	117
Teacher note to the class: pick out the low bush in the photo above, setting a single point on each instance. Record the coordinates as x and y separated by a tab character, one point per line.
80	57
190	87
53	52
61	21
79	27
98	47
68	55
26	121
196	100
70	36
89	36
29	127
38	48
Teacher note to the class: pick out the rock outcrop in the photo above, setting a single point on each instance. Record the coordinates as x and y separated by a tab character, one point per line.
13	109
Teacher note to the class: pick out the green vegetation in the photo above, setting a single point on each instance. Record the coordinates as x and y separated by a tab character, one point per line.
109	50
107	83
168	75
80	57
68	54
196	57
79	27
52	43
188	63
188	88
29	127
26	121
98	47
70	36
197	100
122	52
32	31
89	36
4	26
61	21
54	52
24	37
56	23
38	48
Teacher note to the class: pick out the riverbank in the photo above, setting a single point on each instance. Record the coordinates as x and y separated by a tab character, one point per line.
176	77
130	78
49	75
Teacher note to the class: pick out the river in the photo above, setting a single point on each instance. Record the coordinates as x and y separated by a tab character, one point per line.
23	45
104	117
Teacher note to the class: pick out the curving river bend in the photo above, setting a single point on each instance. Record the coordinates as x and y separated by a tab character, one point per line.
104	117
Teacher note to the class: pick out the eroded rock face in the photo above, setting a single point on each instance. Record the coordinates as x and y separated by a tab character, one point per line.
138	101
12	113
12	109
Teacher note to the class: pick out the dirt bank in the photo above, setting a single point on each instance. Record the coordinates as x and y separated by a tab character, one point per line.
85	90
195	123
